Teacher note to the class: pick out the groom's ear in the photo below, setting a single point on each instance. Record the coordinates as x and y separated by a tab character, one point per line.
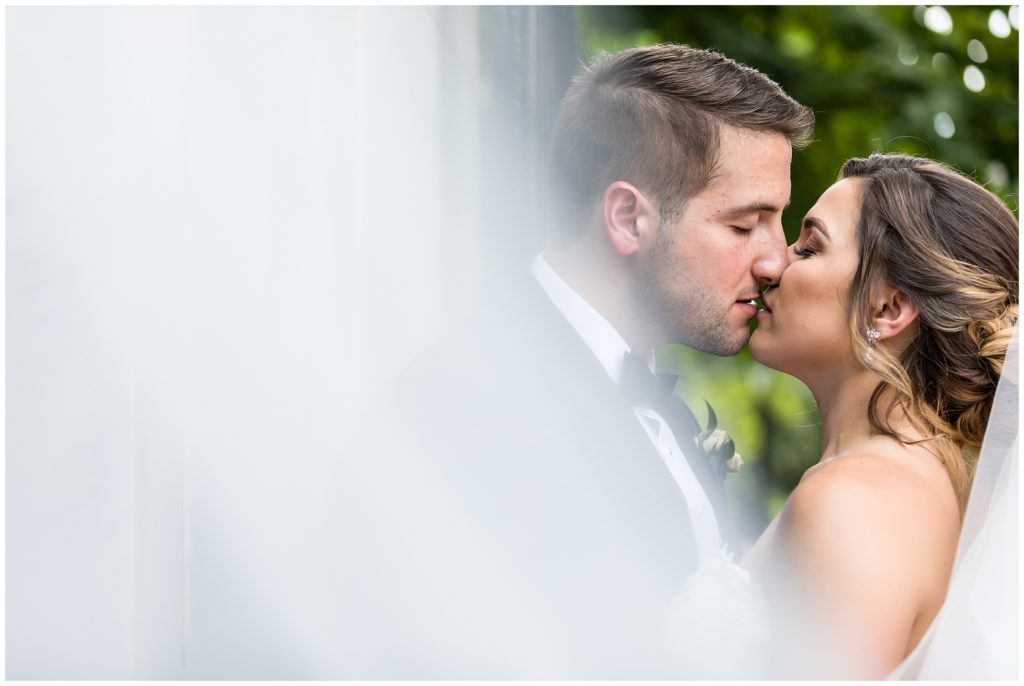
629	217
893	312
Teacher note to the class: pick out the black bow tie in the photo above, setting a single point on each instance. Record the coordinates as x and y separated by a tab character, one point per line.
656	391
642	386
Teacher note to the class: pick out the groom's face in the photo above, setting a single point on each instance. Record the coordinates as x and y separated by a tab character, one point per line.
711	259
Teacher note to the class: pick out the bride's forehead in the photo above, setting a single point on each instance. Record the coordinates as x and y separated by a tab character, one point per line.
843	194
839	202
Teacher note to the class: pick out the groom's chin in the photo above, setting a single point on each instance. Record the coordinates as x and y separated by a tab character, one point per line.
732	343
724	339
730	347
735	349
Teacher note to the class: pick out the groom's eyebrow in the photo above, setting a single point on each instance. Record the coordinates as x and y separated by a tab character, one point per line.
756	207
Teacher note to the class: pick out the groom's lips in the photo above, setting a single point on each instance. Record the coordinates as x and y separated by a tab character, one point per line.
751	303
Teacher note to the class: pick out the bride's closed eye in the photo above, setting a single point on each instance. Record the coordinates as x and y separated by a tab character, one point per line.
814	235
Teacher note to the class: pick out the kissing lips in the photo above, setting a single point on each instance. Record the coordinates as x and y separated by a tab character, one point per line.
750	305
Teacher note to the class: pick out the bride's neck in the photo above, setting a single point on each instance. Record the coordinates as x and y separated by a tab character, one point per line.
843	406
844	409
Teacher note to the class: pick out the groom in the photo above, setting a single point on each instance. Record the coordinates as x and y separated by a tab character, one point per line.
534	498
673	169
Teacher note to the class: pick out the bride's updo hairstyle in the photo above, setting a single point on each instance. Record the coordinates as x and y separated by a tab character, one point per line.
952	247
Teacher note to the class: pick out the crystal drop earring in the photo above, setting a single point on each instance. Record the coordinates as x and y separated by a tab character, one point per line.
873	335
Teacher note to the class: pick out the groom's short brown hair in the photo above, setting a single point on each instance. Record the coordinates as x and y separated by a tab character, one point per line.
651	116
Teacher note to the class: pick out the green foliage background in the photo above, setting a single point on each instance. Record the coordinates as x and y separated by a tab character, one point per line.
876	78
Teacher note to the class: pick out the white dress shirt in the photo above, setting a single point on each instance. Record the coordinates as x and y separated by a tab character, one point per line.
609	348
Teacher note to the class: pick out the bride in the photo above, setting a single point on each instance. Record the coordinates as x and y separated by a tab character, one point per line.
896	310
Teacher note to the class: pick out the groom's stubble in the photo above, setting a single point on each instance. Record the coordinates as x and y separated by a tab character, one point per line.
685	310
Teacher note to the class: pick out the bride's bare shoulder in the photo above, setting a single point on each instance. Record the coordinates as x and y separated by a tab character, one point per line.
896	504
891	479
872	537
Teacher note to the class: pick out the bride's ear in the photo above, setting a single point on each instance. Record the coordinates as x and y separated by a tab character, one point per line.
893	311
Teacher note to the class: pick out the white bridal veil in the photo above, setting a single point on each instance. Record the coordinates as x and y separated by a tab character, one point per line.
224	225
975	635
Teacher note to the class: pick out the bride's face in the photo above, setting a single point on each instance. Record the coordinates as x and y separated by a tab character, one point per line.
804	330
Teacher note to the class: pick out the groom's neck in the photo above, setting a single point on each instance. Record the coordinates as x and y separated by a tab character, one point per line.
602	279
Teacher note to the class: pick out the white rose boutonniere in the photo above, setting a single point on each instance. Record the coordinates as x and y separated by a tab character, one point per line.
718	446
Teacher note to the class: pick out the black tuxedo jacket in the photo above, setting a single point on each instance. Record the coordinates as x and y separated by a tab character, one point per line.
506	516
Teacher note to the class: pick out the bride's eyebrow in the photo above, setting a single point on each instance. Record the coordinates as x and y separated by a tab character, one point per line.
815	223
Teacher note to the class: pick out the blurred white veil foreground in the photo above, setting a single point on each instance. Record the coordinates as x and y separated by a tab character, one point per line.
976	634
227	228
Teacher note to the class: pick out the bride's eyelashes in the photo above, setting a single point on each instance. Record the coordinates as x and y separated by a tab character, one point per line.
805	251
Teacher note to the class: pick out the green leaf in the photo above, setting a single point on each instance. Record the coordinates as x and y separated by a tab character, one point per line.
712	419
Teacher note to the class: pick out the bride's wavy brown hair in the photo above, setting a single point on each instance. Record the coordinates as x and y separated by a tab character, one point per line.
952	247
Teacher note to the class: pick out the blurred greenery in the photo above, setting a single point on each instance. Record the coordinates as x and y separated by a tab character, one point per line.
878	79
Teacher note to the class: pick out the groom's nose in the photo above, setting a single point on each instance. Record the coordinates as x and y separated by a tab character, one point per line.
772	257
